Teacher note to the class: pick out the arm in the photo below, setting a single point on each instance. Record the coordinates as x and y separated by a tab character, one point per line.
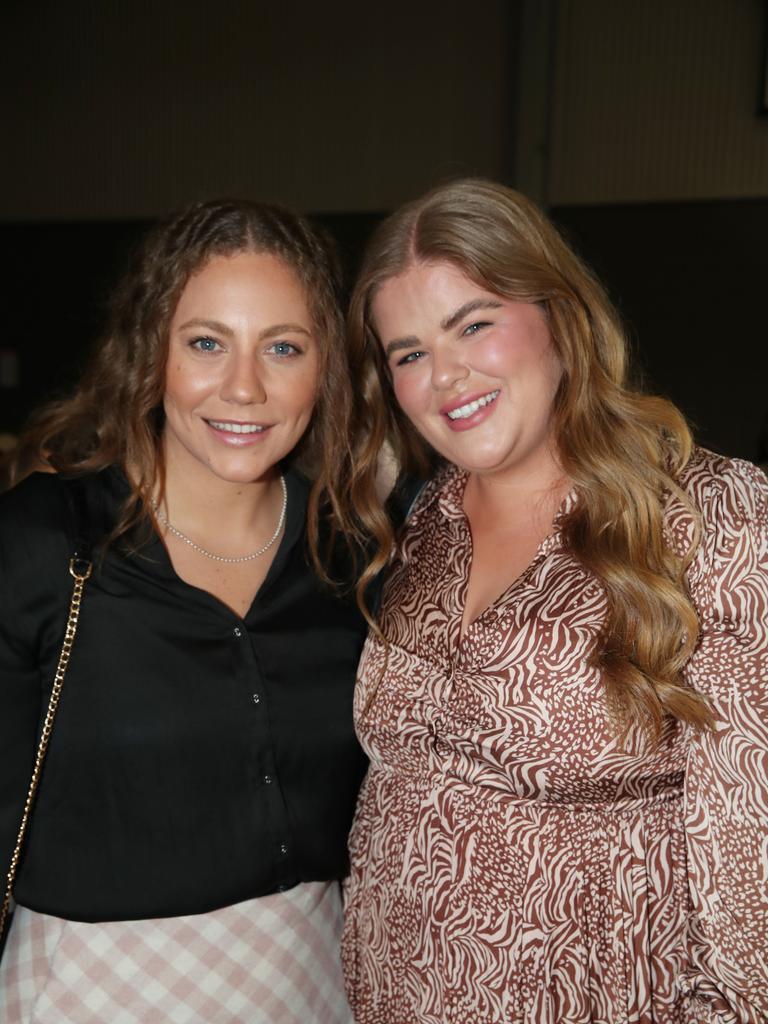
727	770
31	612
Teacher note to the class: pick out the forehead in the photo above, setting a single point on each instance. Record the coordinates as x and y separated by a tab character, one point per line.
243	278
426	290
432	279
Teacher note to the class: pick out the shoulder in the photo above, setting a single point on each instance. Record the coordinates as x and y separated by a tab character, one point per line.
339	558
34	533
36	517
445	489
431	517
730	495
718	484
37	503
731	499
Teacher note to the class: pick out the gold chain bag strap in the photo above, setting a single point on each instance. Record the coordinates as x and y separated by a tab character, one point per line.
80	568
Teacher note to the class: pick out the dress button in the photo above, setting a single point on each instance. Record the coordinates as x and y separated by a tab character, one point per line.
283	848
255	698
237	631
267	780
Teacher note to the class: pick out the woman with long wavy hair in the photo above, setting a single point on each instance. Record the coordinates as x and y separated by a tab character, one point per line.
184	851
563	700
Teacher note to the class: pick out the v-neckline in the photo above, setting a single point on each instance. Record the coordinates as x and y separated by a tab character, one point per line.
542	548
296	513
466	628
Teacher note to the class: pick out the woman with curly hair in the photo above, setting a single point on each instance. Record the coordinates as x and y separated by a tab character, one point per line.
183	855
564	701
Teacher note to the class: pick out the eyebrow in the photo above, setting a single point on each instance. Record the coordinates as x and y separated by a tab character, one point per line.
411	341
468	307
268	332
272	332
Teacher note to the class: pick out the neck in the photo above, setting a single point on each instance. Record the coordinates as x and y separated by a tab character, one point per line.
532	492
211	507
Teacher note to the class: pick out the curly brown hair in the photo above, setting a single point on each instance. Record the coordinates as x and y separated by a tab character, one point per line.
624	451
115	416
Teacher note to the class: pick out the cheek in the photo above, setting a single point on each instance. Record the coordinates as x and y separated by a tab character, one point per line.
304	391
550	370
498	355
555	371
184	384
412	389
173	384
526	358
305	403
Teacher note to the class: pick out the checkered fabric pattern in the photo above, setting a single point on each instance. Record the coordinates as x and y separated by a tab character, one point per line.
272	960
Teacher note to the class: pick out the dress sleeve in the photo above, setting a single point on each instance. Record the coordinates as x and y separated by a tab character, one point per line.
726	801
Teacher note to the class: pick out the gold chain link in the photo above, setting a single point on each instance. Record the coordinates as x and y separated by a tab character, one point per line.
50	715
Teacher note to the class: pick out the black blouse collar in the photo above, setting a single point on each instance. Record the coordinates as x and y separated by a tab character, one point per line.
114	489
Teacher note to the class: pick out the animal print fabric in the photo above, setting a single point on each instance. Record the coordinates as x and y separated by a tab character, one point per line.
510	863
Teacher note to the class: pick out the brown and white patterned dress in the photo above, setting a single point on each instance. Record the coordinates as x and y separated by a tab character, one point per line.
510	863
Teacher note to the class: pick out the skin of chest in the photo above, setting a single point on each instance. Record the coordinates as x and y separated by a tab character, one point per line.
235	584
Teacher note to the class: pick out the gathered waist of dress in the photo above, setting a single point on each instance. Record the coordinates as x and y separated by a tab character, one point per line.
659	793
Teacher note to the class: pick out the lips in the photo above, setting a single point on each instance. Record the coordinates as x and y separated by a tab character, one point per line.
236	428
236	433
466	406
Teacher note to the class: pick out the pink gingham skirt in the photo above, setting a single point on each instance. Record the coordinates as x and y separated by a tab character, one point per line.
272	960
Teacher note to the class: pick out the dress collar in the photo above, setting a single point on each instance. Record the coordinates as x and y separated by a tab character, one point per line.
446	492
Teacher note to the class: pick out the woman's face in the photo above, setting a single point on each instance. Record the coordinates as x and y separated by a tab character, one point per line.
475	373
242	371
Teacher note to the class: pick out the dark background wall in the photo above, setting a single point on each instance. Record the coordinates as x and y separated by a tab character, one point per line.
636	125
689	278
659	172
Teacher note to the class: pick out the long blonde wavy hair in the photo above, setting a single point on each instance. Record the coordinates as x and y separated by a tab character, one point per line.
115	415
623	450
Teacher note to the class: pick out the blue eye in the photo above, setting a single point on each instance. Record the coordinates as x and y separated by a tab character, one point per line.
204	344
284	348
410	358
475	328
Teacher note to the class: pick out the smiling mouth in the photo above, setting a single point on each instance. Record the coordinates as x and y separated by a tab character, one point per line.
465	411
236	428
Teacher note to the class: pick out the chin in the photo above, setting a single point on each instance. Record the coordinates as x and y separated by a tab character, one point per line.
479	469
489	463
241	474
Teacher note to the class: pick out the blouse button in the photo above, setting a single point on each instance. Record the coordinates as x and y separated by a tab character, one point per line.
255	698
267	780
237	631
283	848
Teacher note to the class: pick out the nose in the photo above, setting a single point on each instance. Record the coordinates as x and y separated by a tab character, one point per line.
242	382
448	368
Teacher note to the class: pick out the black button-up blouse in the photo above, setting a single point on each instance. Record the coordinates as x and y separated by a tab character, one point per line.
198	759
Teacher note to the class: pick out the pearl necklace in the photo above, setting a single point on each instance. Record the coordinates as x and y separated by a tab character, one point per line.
224	558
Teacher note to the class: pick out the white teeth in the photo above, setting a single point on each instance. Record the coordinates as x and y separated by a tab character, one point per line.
471	407
236	428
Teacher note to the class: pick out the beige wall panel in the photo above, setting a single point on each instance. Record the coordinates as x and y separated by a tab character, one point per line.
128	108
656	100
